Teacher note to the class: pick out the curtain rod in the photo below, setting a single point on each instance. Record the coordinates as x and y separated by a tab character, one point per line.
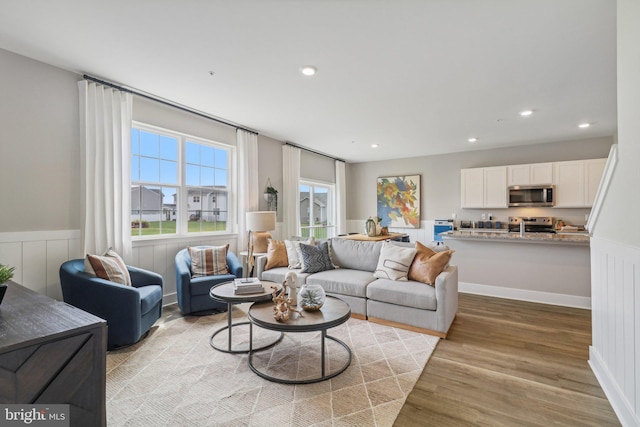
165	102
313	151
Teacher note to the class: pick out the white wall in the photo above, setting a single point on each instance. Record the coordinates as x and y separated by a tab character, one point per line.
39	146
615	247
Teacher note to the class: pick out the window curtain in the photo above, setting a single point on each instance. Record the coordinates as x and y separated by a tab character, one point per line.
248	187
291	190
105	134
341	198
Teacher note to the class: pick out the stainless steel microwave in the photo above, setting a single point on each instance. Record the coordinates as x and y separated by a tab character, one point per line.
520	195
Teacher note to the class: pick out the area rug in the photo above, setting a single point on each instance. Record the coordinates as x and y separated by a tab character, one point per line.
174	377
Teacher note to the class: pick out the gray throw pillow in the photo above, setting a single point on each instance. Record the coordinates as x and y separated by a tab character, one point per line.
315	258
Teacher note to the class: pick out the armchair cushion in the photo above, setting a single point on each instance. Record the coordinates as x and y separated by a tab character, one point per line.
110	267
208	260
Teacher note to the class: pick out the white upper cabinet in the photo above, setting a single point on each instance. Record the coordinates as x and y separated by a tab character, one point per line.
483	187
576	182
495	187
531	174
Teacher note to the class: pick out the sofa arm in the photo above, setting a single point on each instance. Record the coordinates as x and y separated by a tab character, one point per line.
447	297
140	277
261	262
235	266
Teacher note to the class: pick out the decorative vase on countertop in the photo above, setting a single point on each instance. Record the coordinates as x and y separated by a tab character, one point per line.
370	227
311	297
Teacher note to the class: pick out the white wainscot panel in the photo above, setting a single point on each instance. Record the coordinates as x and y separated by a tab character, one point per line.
614	354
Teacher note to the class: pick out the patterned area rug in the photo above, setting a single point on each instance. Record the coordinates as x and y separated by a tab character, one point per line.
174	378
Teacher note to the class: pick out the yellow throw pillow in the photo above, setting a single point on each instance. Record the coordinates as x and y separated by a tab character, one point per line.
427	264
276	255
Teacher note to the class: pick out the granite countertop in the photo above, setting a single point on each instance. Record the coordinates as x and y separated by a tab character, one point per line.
502	235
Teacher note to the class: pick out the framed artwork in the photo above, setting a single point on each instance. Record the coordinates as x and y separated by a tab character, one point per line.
399	201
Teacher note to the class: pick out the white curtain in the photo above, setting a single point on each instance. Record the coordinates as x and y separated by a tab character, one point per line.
248	186
105	132
291	190
341	198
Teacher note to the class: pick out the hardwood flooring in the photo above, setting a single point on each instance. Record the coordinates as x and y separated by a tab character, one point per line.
510	363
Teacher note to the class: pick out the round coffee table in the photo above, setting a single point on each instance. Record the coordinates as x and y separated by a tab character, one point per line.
334	312
224	292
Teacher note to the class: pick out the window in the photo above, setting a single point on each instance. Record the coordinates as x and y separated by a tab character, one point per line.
317	213
179	184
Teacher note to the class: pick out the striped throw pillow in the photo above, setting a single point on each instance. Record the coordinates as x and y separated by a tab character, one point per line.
111	267
208	260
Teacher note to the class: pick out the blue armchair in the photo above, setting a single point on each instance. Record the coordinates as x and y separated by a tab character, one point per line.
130	311
193	292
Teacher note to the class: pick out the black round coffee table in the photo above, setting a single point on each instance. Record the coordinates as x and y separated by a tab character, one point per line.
333	313
224	292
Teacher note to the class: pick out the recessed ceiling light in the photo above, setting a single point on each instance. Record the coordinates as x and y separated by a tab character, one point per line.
525	113
584	125
308	70
212	73
374	145
472	139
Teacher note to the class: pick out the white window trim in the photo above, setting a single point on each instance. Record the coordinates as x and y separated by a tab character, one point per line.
331	213
182	189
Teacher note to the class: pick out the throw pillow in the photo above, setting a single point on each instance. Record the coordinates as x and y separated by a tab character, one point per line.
315	258
419	266
293	250
394	262
430	268
208	260
276	255
111	267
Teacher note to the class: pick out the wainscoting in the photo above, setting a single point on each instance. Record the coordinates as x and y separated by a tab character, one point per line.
614	354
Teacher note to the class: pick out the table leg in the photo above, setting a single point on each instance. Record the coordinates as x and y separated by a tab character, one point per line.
229	326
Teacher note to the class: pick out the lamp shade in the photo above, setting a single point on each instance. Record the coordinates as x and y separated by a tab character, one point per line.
261	221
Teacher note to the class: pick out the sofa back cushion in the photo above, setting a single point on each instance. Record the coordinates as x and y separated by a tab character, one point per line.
355	254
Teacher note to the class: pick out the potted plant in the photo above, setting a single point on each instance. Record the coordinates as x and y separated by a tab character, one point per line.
6	274
271	196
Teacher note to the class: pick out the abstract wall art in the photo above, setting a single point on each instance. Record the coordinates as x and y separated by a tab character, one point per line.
399	201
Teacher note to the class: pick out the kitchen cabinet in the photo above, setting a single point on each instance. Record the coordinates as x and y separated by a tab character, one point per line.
484	187
530	174
576	182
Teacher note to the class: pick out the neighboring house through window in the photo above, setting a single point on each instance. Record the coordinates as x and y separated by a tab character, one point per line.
179	184
317	212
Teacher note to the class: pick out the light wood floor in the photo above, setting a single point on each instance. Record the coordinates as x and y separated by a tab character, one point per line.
510	363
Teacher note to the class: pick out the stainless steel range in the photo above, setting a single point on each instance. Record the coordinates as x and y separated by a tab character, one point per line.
532	224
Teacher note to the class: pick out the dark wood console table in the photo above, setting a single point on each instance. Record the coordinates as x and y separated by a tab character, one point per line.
52	353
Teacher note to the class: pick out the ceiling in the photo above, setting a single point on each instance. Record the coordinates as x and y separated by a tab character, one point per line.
415	77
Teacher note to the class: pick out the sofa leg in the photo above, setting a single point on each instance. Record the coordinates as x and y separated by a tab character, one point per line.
407	327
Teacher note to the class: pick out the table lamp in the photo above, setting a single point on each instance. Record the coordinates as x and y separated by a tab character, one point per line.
259	224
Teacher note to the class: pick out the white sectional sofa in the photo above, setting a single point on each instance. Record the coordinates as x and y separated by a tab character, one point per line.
405	304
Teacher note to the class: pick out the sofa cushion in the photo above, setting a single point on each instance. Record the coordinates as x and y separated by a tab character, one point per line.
208	260
279	273
110	267
276	255
355	255
343	281
315	258
427	266
394	262
150	296
293	251
407	294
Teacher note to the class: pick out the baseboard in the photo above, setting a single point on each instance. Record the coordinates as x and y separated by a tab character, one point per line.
525	295
168	299
616	397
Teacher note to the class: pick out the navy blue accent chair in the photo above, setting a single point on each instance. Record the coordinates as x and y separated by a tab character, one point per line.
193	292
130	311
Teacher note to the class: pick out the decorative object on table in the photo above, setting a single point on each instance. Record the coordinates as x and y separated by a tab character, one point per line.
283	304
271	196
398	199
370	227
311	297
291	279
250	285
258	224
6	274
384	231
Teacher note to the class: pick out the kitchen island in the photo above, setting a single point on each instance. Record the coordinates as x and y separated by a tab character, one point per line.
540	267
